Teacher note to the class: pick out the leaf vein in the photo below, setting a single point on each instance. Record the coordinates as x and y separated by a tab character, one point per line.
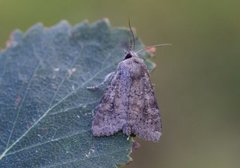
40	144
20	106
84	159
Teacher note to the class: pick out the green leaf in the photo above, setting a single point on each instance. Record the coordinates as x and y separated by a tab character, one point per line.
45	107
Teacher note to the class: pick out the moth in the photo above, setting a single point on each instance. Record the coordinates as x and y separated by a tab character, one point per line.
129	103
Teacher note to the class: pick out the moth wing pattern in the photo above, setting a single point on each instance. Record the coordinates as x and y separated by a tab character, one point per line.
110	115
147	123
129	103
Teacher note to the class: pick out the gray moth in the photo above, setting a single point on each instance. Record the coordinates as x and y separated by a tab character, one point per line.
129	103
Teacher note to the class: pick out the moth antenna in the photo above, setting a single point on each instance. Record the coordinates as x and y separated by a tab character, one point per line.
132	40
151	46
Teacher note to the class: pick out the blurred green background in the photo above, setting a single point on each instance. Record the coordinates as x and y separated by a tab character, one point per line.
197	79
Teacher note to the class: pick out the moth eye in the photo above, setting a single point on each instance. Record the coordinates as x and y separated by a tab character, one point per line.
128	56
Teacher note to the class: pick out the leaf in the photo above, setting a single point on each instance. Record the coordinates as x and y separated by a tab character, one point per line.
45	107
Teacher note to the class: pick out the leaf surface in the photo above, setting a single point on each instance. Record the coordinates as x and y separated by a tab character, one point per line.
46	109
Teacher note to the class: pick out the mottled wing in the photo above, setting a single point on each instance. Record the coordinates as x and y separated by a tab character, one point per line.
110	114
148	121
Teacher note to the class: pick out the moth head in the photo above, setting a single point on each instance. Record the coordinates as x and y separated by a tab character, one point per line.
130	54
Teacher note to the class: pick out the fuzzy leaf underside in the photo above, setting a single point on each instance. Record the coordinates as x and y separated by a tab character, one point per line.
46	109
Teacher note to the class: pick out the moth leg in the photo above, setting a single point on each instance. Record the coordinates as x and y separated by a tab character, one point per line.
106	80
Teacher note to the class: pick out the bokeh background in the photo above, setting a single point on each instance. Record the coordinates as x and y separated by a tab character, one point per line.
197	79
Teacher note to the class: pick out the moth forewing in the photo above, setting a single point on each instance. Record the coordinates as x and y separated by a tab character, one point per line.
129	103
